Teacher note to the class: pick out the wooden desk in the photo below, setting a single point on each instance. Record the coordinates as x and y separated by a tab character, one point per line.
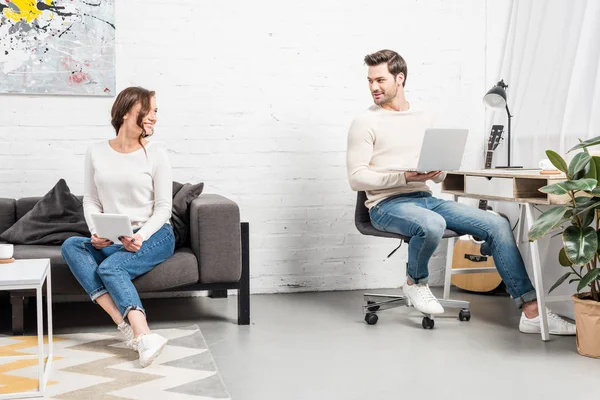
512	185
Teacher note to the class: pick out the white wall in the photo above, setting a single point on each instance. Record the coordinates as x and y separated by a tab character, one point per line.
255	99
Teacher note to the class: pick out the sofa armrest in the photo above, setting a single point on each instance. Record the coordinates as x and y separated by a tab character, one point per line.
215	236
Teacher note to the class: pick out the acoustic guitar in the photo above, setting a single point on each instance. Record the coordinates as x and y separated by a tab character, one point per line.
468	249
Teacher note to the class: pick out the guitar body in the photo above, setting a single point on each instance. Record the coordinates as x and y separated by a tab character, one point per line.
467	254
467	250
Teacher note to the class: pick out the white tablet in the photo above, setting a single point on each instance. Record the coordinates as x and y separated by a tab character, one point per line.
112	226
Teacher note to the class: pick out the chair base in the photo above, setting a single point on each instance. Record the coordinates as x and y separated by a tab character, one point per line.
379	302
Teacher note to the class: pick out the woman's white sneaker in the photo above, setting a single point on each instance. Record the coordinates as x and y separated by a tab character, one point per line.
556	325
149	346
422	299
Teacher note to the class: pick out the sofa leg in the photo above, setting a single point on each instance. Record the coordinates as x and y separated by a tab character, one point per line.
244	290
217	294
18	314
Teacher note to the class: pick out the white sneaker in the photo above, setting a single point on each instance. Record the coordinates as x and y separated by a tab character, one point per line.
422	299
556	325
126	330
149	346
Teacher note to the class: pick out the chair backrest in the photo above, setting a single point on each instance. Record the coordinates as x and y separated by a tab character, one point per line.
361	212
362	220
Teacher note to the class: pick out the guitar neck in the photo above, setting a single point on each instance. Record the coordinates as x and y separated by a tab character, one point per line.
488	164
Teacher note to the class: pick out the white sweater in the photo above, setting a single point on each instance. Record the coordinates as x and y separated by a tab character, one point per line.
382	143
131	184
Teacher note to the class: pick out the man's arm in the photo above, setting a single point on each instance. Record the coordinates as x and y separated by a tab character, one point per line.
358	157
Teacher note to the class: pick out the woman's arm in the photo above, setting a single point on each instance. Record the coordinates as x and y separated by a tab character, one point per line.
163	195
91	201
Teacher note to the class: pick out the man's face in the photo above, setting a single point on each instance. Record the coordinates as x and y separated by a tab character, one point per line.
382	84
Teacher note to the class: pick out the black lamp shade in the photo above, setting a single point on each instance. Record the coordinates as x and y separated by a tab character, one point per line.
495	98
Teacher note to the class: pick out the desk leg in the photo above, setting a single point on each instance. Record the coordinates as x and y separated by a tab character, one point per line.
537	276
449	254
40	333
520	224
50	332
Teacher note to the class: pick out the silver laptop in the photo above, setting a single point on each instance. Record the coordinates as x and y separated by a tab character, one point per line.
442	150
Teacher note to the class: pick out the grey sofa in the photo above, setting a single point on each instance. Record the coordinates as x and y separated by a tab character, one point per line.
217	259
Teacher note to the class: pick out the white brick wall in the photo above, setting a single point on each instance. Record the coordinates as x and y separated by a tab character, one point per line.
255	99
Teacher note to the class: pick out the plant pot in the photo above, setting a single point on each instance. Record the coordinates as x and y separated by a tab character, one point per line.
587	319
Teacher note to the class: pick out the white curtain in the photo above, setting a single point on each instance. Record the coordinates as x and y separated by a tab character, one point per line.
551	64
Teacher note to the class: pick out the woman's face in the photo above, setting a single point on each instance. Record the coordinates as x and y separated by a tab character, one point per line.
148	122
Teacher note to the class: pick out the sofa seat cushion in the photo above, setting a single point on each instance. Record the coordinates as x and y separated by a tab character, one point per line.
179	270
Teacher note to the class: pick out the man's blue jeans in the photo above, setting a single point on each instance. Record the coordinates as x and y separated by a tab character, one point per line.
111	269
424	218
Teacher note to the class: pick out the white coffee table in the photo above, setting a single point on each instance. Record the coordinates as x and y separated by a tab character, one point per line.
31	274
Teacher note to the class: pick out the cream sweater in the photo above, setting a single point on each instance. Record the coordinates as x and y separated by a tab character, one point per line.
131	184
381	144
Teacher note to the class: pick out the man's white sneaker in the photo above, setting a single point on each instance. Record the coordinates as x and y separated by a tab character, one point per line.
126	330
149	346
422	299
556	324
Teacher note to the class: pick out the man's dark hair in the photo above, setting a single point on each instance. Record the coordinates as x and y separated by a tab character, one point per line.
395	62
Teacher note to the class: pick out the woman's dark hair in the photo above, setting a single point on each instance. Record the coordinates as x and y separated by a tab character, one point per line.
124	103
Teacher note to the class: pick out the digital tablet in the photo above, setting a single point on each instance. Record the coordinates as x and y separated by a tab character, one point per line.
112	226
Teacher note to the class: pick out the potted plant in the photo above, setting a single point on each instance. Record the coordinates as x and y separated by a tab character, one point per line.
577	221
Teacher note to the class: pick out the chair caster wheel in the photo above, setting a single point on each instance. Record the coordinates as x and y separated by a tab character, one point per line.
464	315
374	308
371	318
428	323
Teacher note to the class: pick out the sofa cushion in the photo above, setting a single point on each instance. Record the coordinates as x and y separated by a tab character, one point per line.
56	217
183	195
8	216
179	270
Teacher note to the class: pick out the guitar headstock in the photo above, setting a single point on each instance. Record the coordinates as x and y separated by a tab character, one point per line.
495	137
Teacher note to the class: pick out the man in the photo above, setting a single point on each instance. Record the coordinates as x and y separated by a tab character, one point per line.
386	139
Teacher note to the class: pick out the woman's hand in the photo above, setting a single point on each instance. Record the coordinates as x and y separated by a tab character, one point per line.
419	177
132	244
100	243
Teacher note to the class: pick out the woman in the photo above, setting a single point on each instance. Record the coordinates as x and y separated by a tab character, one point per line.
126	175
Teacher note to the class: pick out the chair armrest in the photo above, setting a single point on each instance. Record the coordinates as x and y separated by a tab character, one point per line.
215	236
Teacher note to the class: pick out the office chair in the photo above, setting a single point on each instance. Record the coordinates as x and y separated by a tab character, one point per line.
379	302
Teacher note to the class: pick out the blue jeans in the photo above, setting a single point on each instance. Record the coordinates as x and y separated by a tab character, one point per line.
111	269
424	218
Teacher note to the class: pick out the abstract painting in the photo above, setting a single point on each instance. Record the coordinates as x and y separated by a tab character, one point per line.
57	47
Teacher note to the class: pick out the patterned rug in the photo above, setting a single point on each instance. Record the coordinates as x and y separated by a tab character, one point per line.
99	366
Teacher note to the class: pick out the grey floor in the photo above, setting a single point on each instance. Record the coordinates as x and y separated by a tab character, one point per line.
317	346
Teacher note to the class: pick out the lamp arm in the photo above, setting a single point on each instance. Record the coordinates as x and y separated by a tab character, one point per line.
509	117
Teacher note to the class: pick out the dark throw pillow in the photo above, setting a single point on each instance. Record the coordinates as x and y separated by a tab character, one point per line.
55	218
183	195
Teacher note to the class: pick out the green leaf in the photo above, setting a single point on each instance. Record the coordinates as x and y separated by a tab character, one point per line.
580	244
563	259
592	169
578	163
556	188
587	217
548	220
580	184
573	280
588	278
587	143
580	210
595	192
559	281
557	161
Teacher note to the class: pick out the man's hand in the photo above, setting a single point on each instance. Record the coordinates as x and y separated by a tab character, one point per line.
132	244
419	177
100	243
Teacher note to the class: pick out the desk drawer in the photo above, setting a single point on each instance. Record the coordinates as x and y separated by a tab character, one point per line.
484	186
